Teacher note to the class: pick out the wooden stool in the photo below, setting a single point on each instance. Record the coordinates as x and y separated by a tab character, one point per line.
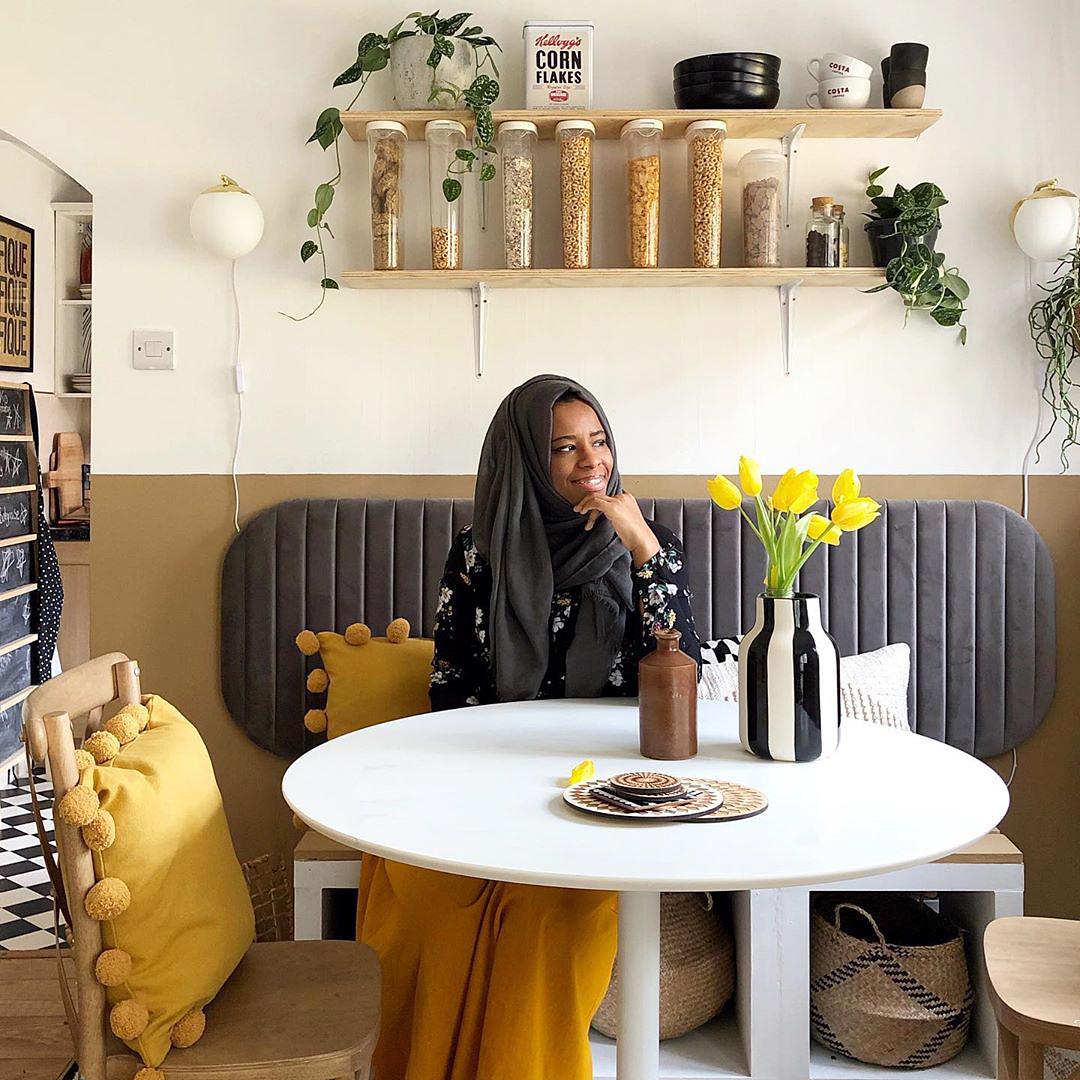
1034	971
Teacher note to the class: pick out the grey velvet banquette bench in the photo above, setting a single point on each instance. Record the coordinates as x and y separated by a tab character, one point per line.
968	585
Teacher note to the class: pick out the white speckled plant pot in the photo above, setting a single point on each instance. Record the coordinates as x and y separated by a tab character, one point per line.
413	78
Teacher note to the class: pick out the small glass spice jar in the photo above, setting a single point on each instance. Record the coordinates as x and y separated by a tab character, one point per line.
843	234
822	234
705	172
641	141
517	146
761	176
575	139
386	152
444	139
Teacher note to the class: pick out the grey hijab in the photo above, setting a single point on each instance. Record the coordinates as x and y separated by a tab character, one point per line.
536	545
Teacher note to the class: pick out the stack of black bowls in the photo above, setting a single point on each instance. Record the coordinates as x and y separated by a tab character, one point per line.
734	80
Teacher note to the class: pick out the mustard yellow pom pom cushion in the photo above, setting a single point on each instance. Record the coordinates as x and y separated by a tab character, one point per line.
375	681
188	919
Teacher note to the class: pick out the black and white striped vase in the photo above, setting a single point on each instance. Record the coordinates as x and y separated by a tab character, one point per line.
789	682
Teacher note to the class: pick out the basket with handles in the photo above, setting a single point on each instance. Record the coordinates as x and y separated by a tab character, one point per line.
697	967
889	980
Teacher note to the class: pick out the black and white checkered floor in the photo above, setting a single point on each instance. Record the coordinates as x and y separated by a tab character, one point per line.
26	916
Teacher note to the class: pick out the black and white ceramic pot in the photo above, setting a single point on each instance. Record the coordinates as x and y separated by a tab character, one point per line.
789	682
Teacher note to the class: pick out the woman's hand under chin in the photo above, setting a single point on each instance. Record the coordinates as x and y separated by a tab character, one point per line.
626	519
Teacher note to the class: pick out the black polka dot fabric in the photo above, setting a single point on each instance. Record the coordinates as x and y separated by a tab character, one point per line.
49	598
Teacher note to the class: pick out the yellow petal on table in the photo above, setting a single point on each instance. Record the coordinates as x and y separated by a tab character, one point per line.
750	476
822	525
847	486
724	493
583	770
853	514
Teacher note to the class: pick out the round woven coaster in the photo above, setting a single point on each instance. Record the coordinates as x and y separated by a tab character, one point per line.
740	801
580	797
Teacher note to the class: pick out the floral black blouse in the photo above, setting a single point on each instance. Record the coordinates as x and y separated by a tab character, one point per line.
461	669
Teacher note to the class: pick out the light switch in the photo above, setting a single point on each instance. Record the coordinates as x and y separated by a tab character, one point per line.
152	350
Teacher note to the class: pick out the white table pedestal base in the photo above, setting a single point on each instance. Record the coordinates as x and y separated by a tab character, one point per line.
637	1049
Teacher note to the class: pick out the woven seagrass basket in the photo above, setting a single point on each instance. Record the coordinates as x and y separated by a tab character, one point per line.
271	897
888	980
697	967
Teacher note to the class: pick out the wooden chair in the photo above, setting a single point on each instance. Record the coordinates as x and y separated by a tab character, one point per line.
1034	971
305	1010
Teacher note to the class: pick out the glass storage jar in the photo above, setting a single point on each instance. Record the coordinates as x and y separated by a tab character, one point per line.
843	238
517	146
386	152
641	141
575	139
822	234
761	176
444	139
705	171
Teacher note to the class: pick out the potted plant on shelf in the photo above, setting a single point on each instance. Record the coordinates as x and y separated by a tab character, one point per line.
1053	324
789	667
902	230
435	63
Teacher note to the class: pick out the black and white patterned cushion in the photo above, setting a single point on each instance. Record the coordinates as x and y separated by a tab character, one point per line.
873	685
720	651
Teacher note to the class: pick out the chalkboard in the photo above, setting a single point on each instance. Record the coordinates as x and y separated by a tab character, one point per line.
16	515
14	464
10	726
16	616
13	417
16	566
14	671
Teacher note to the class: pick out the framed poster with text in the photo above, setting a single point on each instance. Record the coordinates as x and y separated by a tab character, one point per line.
16	296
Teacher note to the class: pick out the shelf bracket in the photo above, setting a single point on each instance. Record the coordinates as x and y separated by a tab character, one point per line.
788	294
479	303
790	144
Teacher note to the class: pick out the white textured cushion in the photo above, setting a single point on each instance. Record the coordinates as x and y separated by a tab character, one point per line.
873	685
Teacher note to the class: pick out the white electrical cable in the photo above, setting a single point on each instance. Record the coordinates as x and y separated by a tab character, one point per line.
1008	783
239	397
1024	506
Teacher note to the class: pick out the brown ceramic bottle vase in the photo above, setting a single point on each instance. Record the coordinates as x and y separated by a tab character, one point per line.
667	696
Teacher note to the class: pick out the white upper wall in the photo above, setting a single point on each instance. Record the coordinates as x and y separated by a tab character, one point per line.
147	103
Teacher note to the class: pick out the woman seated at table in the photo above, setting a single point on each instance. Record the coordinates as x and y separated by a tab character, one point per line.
553	591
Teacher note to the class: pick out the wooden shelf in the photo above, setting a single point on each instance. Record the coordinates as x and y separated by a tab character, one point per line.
75	303
742	123
71	394
862	277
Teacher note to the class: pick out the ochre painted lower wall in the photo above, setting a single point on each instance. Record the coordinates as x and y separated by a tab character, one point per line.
156	557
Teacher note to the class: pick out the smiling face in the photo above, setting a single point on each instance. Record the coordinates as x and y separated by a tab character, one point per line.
581	459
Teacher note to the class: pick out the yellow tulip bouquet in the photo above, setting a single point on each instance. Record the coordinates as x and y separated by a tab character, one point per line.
789	534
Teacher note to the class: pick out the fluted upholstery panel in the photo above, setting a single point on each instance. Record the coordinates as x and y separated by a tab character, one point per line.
968	585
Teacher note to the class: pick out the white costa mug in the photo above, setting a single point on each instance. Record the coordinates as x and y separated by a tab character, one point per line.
838	66
840	94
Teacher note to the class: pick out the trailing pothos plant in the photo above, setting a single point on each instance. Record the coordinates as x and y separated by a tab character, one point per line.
373	54
918	274
1053	324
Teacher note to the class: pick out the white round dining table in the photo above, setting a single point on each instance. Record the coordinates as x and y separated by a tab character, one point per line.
478	791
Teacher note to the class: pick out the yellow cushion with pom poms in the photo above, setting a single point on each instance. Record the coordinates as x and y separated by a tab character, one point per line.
367	680
174	909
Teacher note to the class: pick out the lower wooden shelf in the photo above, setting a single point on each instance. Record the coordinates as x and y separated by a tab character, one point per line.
861	277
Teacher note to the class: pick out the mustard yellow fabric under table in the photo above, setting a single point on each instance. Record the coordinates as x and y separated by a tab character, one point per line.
484	980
